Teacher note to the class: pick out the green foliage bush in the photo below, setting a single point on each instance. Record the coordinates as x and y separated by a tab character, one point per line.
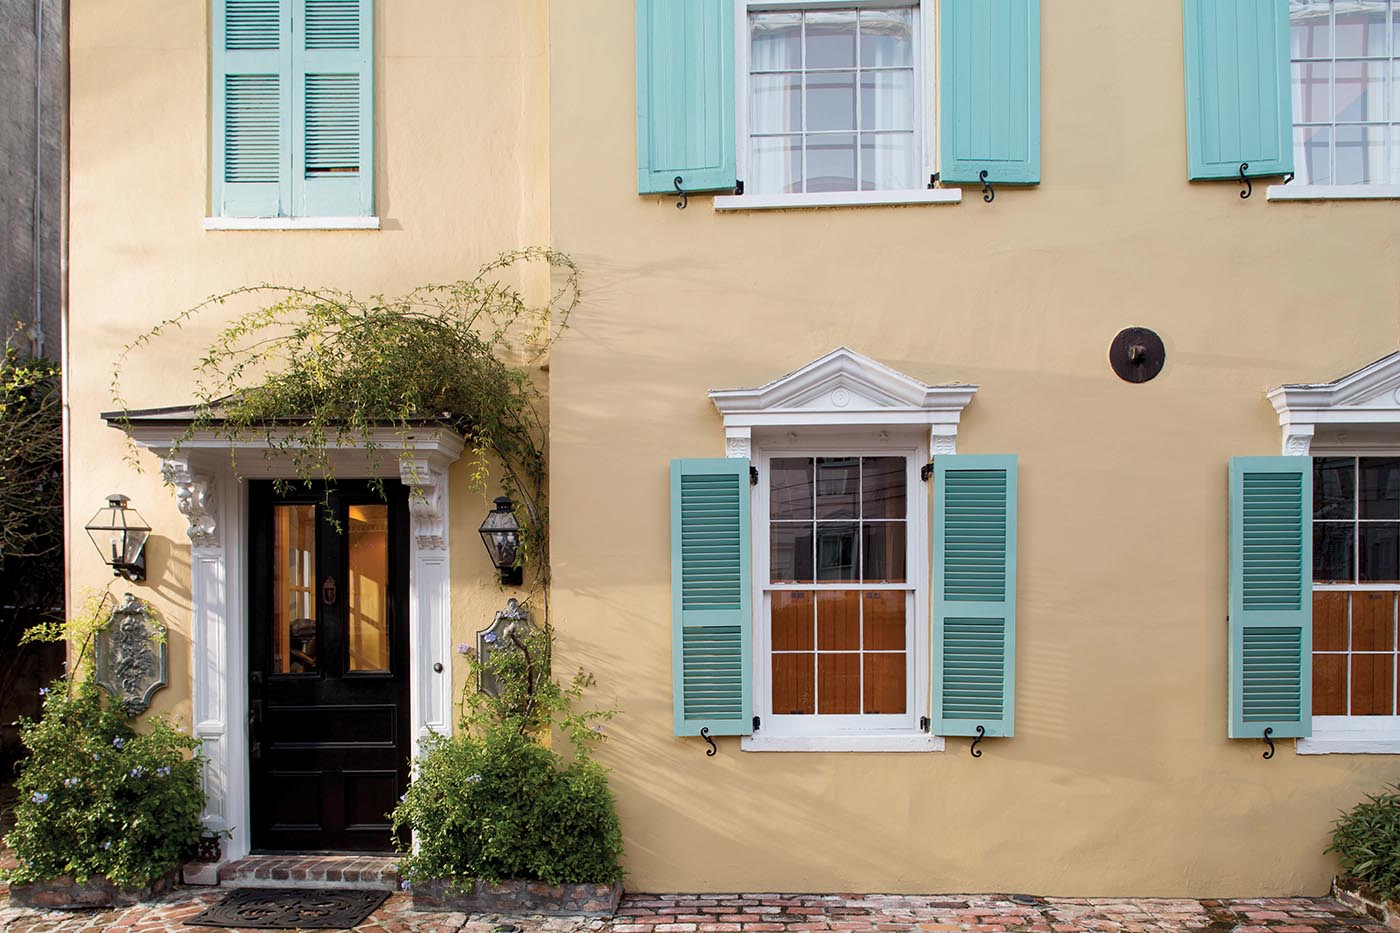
1367	842
96	797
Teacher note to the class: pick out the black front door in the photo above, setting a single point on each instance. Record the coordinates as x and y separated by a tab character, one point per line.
328	692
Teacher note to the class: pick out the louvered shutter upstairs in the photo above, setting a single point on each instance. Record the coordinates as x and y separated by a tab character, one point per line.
711	612
989	82
252	105
1270	596
974	604
1239	102
333	115
685	95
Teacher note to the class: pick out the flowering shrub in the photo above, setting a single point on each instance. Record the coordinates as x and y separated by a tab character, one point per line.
98	798
1367	842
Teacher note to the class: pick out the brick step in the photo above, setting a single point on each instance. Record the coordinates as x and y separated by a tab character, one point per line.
363	872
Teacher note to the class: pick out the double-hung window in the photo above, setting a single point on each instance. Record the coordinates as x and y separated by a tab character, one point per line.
293	115
1345	57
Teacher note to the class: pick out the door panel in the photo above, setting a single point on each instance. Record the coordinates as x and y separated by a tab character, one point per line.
329	697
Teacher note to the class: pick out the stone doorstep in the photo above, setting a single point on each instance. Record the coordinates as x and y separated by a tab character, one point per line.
362	872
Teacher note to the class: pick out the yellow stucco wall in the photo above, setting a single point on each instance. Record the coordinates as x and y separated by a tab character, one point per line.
460	150
1120	779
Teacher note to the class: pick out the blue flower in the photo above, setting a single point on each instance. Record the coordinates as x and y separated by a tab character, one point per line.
107	844
489	638
464	649
96	757
118	743
70	782
473	778
138	771
406	885
43	691
163	772
39	797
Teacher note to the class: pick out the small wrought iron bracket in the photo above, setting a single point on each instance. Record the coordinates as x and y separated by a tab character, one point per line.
989	193
1269	740
1248	185
925	471
933	179
755	724
981	734
924	723
738	187
713	749
1287	178
681	193
753	476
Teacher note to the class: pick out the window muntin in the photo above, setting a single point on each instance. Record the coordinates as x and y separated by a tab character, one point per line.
1356	573
1346	91
833	99
837	599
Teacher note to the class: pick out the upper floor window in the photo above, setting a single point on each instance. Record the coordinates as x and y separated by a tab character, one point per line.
1346	91
293	115
834	99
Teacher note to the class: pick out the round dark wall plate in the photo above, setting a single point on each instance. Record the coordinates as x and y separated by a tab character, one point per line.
1137	354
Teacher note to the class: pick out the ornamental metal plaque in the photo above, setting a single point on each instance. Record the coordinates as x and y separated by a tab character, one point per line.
133	661
510	620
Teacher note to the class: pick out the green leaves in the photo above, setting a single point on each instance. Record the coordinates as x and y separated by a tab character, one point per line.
1367	842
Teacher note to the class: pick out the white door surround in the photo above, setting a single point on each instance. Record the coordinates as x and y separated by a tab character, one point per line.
209	475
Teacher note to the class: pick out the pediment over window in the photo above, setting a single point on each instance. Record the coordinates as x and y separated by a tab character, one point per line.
842	388
1359	408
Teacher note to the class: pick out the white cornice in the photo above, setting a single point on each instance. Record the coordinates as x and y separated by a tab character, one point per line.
842	387
1369	396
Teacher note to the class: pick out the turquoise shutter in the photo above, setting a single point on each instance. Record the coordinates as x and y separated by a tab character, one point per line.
711	609
685	95
333	108
974	594
1239	105
251	106
1270	596
989	81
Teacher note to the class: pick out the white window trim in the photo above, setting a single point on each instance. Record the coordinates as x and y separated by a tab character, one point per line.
291	223
847	398
926	107
1356	415
1293	192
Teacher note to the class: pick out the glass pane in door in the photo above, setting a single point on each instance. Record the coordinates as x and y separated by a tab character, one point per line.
294	588
367	535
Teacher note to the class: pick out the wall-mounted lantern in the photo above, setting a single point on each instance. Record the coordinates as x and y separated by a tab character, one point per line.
120	534
501	535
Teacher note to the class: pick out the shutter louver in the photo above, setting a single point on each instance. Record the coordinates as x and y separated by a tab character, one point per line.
251	101
989	84
685	95
974	609
1270	620
711	601
333	108
1239	101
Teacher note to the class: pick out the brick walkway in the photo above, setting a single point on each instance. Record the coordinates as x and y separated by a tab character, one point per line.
770	913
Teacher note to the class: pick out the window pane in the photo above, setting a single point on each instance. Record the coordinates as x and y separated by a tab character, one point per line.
831	39
1334	487
838	487
794	685
1361	155
1372	684
790	553
1312	95
367	538
1330	620
886	100
1380	552
831	163
1380	487
886	38
1312	154
884	621
888	162
1358	91
1394	145
790	488
792	621
885	689
1361	33
1332	552
882	487
776	104
777	164
1329	685
838	621
838	684
883	544
1372	622
777	41
831	101
836	551
294	589
1311	32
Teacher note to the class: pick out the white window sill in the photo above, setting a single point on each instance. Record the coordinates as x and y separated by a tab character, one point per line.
782	202
1352	735
1297	192
894	742
291	223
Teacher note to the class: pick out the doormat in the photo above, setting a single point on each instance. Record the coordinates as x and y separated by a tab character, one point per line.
291	909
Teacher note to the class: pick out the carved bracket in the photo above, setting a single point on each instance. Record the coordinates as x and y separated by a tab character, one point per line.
425	500
1297	440
943	440
133	661
194	497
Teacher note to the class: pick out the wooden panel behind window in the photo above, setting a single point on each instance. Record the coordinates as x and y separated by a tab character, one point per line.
838	621
884	683
838	684
1330	620
1329	685
1372	621
1372	684
794	685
